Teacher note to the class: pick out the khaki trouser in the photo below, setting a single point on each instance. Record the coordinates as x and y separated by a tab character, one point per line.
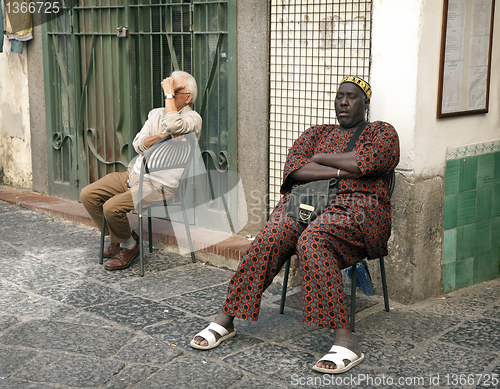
111	196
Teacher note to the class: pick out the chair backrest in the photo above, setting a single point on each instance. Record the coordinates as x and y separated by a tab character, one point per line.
170	154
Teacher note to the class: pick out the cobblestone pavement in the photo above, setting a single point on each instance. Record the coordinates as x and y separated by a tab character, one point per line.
65	322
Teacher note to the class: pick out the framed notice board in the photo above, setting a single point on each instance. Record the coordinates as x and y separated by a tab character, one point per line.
466	44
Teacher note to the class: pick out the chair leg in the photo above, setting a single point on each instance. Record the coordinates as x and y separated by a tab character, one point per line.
150	234
353	296
103	227
285	285
384	284
188	232
141	249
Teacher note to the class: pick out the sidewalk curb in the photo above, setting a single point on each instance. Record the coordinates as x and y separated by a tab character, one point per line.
226	253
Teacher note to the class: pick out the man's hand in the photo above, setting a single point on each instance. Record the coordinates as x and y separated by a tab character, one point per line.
151	140
170	86
344	161
346	174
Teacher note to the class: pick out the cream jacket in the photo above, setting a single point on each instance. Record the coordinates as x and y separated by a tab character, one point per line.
174	123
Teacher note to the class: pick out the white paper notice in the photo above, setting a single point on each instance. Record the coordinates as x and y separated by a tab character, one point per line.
455	30
466	56
479	48
452	86
481	17
477	87
456	13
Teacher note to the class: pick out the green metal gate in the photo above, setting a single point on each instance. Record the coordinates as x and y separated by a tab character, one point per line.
104	61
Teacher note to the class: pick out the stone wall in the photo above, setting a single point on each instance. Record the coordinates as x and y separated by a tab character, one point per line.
15	138
414	264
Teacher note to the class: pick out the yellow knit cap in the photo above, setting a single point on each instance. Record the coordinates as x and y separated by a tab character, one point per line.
359	82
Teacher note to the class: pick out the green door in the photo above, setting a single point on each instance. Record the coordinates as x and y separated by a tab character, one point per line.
61	106
89	96
103	63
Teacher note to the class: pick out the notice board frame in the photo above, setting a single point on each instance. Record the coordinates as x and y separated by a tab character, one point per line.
459	92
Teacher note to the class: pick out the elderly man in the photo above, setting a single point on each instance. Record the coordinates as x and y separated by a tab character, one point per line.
352	228
111	194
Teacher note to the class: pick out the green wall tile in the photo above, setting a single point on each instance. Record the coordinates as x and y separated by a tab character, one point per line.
484	203
483	236
450	246
464	274
466	213
471	245
450	211
486	266
496	200
497	167
468	174
485	170
465	241
451	176
495	232
449	272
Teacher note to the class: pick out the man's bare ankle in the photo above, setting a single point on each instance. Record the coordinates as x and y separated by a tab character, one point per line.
224	320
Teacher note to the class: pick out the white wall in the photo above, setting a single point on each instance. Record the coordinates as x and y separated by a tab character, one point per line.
405	75
395	39
15	139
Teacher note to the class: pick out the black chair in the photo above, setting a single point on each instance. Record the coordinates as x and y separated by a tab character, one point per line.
165	155
353	280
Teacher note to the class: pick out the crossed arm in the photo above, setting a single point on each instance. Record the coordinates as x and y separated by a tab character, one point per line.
326	165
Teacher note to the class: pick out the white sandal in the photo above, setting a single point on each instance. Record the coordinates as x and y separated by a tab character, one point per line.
339	354
210	337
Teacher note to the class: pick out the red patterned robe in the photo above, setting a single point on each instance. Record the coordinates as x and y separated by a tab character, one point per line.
357	225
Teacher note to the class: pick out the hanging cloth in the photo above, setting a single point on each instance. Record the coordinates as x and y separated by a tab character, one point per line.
18	28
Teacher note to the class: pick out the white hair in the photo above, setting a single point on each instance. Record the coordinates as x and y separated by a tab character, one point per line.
190	83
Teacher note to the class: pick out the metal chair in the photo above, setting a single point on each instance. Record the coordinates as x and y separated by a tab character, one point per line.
164	155
353	280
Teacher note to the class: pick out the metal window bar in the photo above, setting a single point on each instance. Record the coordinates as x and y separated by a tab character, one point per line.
313	45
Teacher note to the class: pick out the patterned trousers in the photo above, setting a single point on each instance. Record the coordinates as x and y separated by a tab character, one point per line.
329	244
